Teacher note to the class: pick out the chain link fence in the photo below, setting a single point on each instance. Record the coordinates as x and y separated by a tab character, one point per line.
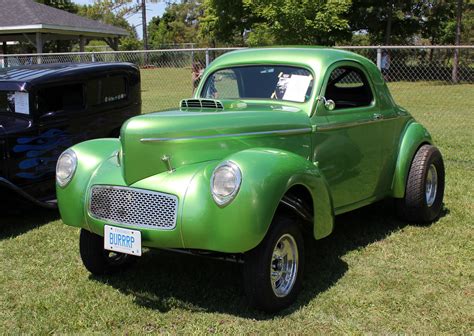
424	80
169	75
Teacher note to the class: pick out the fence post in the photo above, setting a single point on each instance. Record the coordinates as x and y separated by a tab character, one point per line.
379	58
207	58
93	57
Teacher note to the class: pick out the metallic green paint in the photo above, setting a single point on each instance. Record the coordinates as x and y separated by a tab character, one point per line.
178	124
345	158
415	135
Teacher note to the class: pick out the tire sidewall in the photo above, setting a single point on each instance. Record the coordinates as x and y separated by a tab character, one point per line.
258	264
432	212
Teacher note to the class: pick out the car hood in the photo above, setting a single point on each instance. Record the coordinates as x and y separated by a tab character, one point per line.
188	137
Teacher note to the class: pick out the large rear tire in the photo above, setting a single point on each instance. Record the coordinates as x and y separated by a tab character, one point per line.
424	192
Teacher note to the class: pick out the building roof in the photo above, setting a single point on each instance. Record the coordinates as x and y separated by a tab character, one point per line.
28	16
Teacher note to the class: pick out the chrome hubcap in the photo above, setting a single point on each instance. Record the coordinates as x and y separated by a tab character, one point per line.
431	185
284	265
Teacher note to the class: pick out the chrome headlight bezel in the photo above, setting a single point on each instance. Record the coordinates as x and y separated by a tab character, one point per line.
224	199
64	181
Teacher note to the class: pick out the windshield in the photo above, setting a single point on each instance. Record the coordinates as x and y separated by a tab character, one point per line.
259	82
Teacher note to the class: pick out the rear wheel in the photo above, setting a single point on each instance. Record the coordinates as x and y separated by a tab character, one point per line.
99	261
424	192
273	271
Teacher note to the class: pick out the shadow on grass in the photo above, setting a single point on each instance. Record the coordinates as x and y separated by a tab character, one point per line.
165	280
19	218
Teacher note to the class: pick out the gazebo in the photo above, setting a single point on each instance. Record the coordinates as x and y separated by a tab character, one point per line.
29	21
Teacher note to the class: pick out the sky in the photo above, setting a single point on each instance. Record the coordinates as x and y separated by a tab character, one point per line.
153	9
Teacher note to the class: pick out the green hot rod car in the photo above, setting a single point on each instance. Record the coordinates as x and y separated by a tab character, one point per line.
274	144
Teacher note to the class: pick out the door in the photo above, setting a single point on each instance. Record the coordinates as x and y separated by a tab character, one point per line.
346	142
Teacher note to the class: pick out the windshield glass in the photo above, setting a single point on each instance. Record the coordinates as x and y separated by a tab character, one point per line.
7	102
259	82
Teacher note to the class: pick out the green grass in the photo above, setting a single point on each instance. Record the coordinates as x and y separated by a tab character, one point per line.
375	274
163	88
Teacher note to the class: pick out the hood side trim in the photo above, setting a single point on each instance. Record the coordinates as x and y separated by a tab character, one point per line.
204	137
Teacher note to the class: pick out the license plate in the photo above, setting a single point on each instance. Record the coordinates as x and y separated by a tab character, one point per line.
122	240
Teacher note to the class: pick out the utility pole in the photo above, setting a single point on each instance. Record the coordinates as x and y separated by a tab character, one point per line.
145	36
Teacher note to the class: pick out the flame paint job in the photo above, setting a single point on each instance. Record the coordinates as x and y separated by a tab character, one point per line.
345	159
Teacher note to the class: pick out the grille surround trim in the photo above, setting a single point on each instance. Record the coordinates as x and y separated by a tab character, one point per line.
131	205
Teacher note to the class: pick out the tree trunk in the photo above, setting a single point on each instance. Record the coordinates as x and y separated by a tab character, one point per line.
455	74
388	29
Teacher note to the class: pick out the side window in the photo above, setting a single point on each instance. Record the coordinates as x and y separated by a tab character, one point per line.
348	87
61	98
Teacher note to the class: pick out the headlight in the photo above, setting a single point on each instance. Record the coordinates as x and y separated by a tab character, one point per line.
225	182
66	167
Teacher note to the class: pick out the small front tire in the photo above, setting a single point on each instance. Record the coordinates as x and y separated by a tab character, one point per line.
273	270
99	261
424	192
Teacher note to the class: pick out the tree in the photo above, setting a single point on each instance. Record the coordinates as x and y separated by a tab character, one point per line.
455	74
179	24
224	21
277	21
386	22
115	13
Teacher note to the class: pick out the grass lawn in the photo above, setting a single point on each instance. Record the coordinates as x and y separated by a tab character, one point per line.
375	274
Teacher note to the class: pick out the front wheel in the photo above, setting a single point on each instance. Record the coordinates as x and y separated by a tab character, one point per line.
99	261
273	270
424	192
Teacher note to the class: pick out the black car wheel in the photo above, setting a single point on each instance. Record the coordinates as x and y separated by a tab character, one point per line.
99	261
273	270
424	192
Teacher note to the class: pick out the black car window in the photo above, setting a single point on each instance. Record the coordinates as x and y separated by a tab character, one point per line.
348	87
61	98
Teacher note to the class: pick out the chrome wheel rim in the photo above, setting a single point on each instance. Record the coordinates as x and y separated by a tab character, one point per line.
284	265
431	185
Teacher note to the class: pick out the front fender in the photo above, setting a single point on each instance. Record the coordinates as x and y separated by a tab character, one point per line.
241	225
413	137
71	199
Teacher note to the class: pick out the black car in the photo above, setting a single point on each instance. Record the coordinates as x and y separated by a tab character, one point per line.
45	109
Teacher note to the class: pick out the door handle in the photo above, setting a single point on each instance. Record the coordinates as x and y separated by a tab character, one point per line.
377	116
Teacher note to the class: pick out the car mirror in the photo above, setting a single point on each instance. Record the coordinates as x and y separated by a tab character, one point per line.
328	103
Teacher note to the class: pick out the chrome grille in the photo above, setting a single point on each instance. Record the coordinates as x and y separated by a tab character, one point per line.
136	207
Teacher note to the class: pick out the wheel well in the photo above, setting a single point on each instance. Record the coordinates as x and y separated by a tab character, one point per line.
298	200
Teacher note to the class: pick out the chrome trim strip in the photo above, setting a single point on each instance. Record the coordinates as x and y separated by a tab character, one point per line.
204	137
353	123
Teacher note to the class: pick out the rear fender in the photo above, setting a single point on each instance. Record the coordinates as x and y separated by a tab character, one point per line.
413	137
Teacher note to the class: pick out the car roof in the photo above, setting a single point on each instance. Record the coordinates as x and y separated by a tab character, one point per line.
309	56
44	72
